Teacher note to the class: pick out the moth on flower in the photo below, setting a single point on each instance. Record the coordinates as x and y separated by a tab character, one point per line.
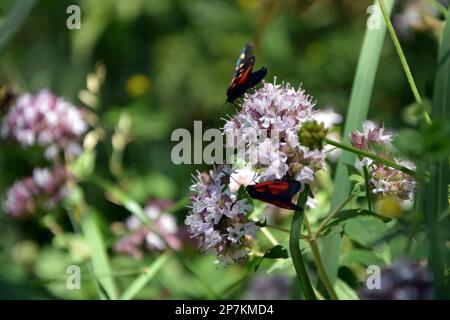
266	130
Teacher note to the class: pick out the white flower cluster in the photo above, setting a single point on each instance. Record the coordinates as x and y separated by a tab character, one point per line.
218	220
384	180
267	130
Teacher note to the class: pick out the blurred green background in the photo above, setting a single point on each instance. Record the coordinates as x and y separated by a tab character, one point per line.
168	63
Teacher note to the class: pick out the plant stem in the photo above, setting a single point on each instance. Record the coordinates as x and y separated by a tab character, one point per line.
134	207
294	247
402	57
368	194
284	230
319	264
269	236
372	156
330	217
140	282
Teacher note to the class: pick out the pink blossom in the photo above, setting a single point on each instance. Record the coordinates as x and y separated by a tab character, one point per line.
384	181
266	129
45	184
218	220
141	237
45	120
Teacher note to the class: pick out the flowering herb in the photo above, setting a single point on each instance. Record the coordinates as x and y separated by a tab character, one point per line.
266	128
46	186
140	236
218	219
384	181
45	120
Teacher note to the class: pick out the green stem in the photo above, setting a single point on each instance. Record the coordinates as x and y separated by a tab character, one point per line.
140	282
402	57
372	156
319	264
368	194
284	230
134	207
330	217
294	247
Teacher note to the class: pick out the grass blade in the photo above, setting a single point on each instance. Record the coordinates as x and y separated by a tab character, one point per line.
19	12
135	208
403	61
142	280
99	258
437	191
294	247
356	114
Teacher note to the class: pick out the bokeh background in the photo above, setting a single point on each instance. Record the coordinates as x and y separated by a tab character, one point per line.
164	64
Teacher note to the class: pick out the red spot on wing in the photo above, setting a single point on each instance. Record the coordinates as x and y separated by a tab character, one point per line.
241	79
273	187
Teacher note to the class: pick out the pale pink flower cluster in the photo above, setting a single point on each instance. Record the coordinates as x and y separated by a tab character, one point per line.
218	220
54	124
45	120
142	237
266	129
371	137
46	186
384	180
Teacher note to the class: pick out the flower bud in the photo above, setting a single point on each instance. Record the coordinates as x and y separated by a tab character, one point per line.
312	134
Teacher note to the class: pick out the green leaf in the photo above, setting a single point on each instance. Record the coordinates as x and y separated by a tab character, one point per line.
99	258
349	214
281	264
436	193
357	179
357	112
294	247
344	292
365	230
84	165
134	207
129	203
363	257
276	252
436	139
14	20
409	142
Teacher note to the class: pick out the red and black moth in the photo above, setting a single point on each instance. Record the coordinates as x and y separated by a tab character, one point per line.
244	78
277	192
